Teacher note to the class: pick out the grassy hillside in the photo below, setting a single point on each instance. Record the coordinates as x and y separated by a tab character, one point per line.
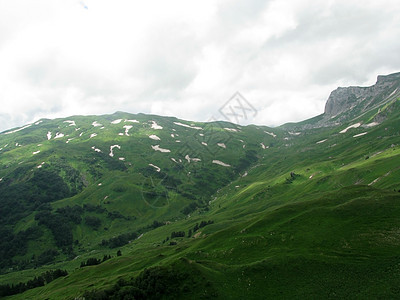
214	211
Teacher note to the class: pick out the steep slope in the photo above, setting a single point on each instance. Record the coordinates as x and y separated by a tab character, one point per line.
346	104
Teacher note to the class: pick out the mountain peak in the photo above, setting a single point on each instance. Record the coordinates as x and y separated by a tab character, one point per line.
388	78
344	102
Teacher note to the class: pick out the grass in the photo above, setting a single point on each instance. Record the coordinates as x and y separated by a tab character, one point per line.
328	236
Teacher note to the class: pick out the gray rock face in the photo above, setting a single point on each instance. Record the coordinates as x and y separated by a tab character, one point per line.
346	104
344	99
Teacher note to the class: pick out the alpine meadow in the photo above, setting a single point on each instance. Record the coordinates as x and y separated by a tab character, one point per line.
136	206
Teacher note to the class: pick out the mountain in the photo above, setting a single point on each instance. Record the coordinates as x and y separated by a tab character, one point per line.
152	207
346	104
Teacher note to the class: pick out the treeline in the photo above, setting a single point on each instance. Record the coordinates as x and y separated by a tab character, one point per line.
62	221
168	181
175	234
245	162
119	240
41	280
21	197
15	244
125	238
61	224
157	283
202	224
292	177
93	261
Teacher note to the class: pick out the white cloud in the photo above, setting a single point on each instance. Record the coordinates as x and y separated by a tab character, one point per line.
187	58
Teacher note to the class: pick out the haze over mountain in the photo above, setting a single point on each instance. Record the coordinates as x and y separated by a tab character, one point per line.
149	207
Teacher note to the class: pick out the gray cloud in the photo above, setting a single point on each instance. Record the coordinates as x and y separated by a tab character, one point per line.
176	59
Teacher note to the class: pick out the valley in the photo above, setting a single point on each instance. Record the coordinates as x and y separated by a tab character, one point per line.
152	207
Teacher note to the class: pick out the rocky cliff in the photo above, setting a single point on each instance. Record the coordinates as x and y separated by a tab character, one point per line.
346	104
342	99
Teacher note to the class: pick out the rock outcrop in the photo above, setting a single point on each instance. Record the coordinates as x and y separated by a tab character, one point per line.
347	104
342	99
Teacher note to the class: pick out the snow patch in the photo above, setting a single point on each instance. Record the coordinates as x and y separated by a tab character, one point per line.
187	126
172	135
36	152
262	146
121	133
127	128
157	148
154	137
19	129
93	135
81	134
174	160
204	143
222	145
121	158
48	135
371	124
231	129
351	126
154	125
132	121
270	133
294	133
38	122
189	159
155	167
201	134
71	123
95	124
116	121
392	93
95	149
41	165
375	181
320	142
360	134
112	148
59	135
218	162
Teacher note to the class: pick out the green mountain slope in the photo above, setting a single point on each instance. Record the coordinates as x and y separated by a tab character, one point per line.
203	210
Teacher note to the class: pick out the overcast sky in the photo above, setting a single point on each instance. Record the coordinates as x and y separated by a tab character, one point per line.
187	58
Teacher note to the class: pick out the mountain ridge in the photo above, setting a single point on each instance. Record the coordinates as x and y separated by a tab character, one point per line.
228	211
340	100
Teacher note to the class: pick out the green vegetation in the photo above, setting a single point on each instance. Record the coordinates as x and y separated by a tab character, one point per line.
307	214
45	278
